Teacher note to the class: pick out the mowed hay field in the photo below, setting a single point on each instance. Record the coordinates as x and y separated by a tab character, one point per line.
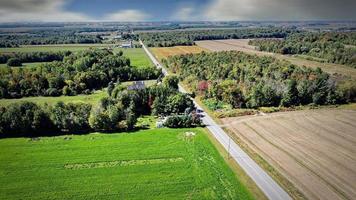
242	45
137	56
165	52
314	149
149	164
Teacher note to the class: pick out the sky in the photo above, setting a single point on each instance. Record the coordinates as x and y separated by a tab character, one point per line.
174	10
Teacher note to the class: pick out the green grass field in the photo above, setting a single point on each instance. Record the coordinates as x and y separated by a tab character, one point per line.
137	56
149	164
91	98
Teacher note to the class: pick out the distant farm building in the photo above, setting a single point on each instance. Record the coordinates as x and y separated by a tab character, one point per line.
137	85
127	45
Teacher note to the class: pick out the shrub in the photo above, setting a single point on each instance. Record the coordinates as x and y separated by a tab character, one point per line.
183	121
14	62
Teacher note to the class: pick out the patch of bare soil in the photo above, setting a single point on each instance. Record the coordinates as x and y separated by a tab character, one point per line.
314	149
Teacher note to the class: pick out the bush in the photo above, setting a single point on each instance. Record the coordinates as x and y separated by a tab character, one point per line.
183	121
14	62
53	92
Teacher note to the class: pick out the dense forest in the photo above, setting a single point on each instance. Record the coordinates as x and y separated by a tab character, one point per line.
47	37
25	57
333	47
248	81
78	73
117	112
172	38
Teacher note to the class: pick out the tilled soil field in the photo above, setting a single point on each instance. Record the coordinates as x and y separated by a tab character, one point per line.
314	149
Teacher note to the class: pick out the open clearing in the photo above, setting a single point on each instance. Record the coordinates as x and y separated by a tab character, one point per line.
165	52
89	98
137	55
242	45
149	164
314	149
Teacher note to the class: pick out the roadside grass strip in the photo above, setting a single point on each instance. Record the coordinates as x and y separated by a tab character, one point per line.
122	163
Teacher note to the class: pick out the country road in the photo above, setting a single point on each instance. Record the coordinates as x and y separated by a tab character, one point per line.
270	188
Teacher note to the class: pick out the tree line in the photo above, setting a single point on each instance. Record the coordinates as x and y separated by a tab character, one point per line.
173	38
78	73
118	112
249	81
26	57
43	37
333	47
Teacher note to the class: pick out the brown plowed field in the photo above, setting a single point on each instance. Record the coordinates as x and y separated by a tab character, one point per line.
242	45
165	52
314	149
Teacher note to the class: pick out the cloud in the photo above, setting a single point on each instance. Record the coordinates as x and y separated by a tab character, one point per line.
127	16
54	11
280	10
184	14
37	10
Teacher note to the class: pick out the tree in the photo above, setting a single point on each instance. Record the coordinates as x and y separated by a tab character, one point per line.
70	117
290	96
159	106
106	115
110	88
171	82
23	119
178	103
14	62
131	118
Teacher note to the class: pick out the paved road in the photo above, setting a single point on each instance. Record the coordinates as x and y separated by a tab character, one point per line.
270	188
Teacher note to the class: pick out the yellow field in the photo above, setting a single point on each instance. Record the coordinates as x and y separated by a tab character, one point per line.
165	52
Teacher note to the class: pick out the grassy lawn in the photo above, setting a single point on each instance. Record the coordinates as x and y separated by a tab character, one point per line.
91	98
137	56
149	164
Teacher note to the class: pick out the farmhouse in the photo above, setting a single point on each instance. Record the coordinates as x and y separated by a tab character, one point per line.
127	45
137	85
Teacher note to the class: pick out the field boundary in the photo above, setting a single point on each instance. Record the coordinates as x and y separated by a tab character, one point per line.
122	163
